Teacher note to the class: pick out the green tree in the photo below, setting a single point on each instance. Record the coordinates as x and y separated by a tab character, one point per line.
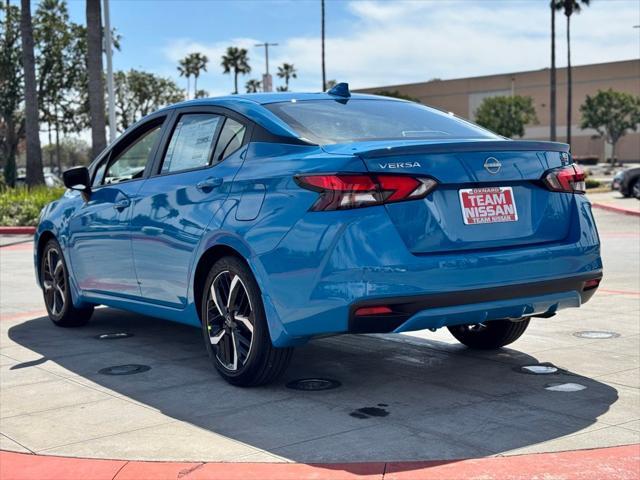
32	126
73	151
201	93
236	60
287	71
611	114
198	64
12	88
95	77
185	68
253	86
59	69
140	93
569	7
507	116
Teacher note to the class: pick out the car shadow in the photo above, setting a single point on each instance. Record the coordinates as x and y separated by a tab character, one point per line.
399	398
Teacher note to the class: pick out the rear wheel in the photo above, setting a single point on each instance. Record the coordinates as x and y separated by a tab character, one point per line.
490	335
235	328
54	279
635	189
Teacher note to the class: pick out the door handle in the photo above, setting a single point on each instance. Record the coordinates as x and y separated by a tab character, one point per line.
209	184
122	204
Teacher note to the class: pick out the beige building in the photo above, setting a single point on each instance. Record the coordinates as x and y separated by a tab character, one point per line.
463	96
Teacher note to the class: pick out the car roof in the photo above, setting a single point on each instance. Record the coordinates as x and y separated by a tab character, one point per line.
276	97
251	105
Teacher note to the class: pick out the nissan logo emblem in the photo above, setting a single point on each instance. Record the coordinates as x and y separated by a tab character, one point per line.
492	165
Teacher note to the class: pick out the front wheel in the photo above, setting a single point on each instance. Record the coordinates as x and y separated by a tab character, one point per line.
54	280
235	329
490	335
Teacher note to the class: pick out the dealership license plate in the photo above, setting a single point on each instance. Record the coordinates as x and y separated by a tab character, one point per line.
488	205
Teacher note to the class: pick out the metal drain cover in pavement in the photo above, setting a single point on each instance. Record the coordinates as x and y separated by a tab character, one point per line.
540	369
313	384
113	336
124	369
565	387
596	334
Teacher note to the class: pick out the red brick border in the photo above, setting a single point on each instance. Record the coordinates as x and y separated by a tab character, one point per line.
613	463
17	230
611	208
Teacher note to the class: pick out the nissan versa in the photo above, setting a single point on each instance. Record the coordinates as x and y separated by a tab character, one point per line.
269	219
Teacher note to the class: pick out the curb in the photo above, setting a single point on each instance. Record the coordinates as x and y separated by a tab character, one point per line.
611	208
612	463
17	230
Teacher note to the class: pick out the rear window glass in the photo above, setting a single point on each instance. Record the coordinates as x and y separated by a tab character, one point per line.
342	121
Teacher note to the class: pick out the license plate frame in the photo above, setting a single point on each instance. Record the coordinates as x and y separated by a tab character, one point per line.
486	205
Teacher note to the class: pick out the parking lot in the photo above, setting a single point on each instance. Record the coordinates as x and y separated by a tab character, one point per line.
417	396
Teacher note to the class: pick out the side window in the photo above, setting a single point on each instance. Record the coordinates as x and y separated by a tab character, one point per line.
99	175
230	140
191	143
130	164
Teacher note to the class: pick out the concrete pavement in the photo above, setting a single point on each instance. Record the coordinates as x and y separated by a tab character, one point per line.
414	397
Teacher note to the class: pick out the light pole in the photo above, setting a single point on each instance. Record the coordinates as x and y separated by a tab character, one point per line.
108	53
324	75
266	78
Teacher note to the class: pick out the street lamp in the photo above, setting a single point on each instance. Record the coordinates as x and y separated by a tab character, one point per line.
267	83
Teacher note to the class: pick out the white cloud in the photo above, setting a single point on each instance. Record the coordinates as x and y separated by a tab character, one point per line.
403	42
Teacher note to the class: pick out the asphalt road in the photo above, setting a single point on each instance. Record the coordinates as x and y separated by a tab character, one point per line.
402	397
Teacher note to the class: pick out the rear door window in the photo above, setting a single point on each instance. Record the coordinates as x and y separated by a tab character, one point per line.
231	139
192	142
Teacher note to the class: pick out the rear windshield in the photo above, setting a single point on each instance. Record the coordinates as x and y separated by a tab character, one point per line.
343	121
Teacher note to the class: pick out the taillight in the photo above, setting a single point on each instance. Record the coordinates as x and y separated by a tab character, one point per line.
566	179
341	191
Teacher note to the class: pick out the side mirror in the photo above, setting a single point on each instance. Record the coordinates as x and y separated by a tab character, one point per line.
77	178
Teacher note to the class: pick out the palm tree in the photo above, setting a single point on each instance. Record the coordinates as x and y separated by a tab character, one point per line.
95	74
287	71
186	70
552	79
236	59
569	7
324	74
32	128
198	64
253	86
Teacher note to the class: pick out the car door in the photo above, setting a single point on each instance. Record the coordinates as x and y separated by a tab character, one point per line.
100	239
192	178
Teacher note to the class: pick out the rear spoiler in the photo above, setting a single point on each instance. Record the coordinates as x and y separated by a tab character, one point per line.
468	146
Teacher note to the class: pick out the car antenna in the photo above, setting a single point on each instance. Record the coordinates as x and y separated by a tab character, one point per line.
340	90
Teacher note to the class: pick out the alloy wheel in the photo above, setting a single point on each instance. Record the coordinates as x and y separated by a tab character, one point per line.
230	320
54	282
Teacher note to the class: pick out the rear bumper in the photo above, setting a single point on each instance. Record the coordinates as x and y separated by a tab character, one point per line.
473	306
331	262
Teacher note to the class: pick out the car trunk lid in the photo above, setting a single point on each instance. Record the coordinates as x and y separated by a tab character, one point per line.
502	177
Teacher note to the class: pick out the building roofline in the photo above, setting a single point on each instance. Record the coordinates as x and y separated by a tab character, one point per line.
477	77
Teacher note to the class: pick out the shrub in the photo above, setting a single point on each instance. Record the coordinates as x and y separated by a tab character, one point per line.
591	183
21	206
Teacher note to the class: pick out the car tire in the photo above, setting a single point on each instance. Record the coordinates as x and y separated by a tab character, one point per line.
635	189
234	327
490	335
54	280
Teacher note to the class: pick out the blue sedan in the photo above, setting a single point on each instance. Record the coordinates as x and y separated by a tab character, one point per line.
269	219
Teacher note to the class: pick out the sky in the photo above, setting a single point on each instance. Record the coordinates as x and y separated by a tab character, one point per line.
369	43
